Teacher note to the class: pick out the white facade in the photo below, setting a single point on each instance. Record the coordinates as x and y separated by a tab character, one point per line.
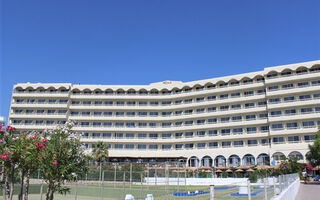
235	120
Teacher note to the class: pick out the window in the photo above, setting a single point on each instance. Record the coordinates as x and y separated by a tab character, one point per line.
248	81
212	121
289	99
165	114
260	92
274	100
225	119
178	146
200	110
28	122
154	103
95	135
107	113
224	96
211	98
107	124
293	139
119	124
316	96
251	130
118	146
262	103
305	97
166	146
166	103
142	146
188	134
188	112
108	103
188	146
264	129
252	143
226	144
178	123
273	88
119	114
250	117
142	114
201	133
235	83
212	132
303	84
143	103
51	112
130	135
213	144
29	111
153	147
106	135
263	115
131	103
178	135
224	108
235	95
212	109
120	103
153	135
237	118
129	146
178	102
152	124
63	101
278	140
264	141
225	131
153	114
290	112
188	123
166	135
276	113
306	110
236	106
51	122
237	131
201	145
178	112
188	101
292	125
315	82
142	135
309	138
20	111
96	124
249	105
166	124
201	121
40	101
276	127
86	102
308	124
317	109
97	113
200	99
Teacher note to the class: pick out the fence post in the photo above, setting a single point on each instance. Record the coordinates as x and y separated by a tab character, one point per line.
148	177
249	190
76	191
155	176
178	177
124	181
274	186
280	183
265	188
185	179
102	185
211	192
115	176
41	189
141	186
130	175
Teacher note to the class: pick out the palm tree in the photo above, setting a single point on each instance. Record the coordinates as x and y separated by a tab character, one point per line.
99	154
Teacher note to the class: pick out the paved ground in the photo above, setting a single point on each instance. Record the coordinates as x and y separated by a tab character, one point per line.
309	191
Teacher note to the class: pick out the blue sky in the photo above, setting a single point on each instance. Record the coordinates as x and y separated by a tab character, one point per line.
139	42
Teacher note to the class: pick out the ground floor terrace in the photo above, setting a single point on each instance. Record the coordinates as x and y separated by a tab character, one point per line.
218	161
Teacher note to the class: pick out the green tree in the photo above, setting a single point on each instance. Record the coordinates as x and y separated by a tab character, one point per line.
100	153
314	154
63	161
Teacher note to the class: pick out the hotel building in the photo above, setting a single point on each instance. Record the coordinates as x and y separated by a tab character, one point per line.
238	120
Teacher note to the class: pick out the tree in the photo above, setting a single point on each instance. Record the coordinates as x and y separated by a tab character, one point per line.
99	154
314	154
63	161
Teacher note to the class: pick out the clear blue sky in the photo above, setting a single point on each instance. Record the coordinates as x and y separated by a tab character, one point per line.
138	42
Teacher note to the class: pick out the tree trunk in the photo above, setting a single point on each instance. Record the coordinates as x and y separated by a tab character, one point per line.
48	191
51	194
11	182
7	187
100	171
3	185
21	173
26	194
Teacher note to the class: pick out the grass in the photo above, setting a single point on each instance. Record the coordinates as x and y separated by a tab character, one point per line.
115	192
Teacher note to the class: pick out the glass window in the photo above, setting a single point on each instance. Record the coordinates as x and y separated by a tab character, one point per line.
130	135
235	95
153	146
289	99
237	131
236	118
142	146
276	113
278	140
306	110
188	101
274	87
97	113
260	91
166	135
212	121
250	117
293	139
152	124
264	141
188	134
274	100
316	96
305	97
226	144
263	115
264	129
303	84
200	99
178	102
118	146
262	103
223	108
154	103
166	146
317	82
143	103
212	109
224	96
201	133
308	124
252	142
178	146
178	135
225	131
249	105
142	135
213	144
200	110
106	135
211	98
201	145
292	125
249	93
309	138
142	114
276	127
236	106
290	112
153	114
201	121
212	132
153	135
188	123
251	129
188	146
131	103
225	119
109	103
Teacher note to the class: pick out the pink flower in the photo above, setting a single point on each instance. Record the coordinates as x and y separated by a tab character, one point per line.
10	128
42	156
1	130
55	162
44	140
33	137
1	141
5	156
